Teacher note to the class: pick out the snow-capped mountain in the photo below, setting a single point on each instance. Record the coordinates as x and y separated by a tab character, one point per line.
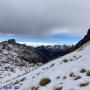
70	72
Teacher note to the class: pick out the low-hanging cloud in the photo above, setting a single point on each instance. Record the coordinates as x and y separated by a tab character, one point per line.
44	17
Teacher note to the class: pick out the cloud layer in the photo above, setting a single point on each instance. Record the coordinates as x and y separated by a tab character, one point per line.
41	18
35	44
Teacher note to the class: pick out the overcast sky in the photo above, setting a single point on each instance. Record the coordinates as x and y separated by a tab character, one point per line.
43	18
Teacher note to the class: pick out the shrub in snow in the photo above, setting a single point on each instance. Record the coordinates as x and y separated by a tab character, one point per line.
52	65
65	60
44	81
58	88
64	77
71	74
84	84
77	77
88	73
18	81
58	77
22	79
34	88
74	56
82	70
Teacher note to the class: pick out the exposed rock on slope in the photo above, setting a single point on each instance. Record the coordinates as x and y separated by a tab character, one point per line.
12	62
21	51
84	40
48	53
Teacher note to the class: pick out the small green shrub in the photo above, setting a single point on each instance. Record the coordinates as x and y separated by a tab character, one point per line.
88	73
82	70
84	84
65	60
44	81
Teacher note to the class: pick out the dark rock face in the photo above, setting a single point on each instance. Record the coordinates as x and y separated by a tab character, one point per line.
48	53
28	54
12	41
19	52
84	40
88	33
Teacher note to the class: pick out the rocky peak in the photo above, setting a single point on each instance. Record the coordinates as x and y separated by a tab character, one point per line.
84	40
12	41
88	33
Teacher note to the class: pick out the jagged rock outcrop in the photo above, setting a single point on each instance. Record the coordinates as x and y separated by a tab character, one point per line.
84	40
18	52
28	54
11	41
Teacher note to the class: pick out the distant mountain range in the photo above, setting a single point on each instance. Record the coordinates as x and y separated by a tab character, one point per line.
40	54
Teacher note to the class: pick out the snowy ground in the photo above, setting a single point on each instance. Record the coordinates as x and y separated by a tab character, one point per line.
70	72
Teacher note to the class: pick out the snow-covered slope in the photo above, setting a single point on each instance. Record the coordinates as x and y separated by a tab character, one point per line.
70	72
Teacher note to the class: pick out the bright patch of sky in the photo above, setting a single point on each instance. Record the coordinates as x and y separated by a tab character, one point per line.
52	40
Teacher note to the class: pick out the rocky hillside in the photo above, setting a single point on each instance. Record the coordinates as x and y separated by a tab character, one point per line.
49	53
18	52
17	59
41	54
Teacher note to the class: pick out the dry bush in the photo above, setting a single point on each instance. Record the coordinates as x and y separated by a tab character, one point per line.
84	84
88	73
82	70
44	81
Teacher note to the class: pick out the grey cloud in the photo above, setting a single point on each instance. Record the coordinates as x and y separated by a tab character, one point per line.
43	17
